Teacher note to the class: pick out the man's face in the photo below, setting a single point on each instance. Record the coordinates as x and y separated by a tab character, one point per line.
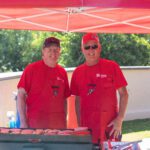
51	54
91	51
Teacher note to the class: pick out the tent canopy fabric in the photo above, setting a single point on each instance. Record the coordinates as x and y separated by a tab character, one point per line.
105	16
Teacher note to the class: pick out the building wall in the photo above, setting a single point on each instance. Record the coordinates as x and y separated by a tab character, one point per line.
139	93
7	102
138	79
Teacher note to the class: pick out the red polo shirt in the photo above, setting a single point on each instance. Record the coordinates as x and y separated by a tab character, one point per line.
47	89
96	85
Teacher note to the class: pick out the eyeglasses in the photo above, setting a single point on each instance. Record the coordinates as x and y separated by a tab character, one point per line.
91	47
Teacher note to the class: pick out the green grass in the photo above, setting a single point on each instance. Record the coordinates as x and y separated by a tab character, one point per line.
136	130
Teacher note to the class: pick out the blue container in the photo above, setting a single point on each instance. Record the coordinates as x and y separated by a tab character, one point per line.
12	122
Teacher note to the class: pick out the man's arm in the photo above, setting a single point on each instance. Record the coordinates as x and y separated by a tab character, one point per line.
21	107
123	102
77	108
117	122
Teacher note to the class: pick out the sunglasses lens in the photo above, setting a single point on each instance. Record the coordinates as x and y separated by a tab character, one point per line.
87	47
93	47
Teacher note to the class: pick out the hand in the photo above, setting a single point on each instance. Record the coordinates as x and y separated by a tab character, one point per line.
116	127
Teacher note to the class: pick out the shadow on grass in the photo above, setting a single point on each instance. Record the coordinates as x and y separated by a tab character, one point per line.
136	126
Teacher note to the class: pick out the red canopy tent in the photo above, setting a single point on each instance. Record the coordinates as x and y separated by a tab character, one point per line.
107	16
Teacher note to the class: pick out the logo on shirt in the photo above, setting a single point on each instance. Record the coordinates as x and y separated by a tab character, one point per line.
59	79
98	75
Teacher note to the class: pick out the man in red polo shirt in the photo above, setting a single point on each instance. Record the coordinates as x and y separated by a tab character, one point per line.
43	89
95	84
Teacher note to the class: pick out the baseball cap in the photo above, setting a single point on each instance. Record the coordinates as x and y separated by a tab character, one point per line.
90	37
50	41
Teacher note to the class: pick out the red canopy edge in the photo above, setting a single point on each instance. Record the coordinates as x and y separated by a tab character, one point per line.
75	3
104	16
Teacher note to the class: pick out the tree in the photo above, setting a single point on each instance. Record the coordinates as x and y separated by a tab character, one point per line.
126	49
12	45
75	56
19	48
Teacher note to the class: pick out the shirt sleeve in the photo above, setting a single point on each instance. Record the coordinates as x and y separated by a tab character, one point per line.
25	80
119	78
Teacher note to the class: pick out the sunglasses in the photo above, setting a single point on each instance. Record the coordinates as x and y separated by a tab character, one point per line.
91	47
